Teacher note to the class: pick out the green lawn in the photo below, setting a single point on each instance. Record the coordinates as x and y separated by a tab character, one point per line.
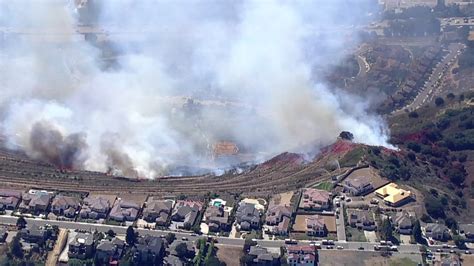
355	234
324	186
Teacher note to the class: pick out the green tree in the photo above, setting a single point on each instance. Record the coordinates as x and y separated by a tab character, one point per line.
111	233
459	241
434	208
209	254
246	259
15	247
182	250
439	101
21	222
346	135
386	229
451	223
130	236
417	235
170	237
248	243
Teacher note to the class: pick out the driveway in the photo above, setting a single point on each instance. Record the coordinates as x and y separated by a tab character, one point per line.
405	239
204	228
340	225
370	236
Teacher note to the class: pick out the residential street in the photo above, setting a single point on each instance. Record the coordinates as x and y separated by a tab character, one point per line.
220	240
340	224
431	84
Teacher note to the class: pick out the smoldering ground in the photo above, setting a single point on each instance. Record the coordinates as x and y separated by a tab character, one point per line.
248	65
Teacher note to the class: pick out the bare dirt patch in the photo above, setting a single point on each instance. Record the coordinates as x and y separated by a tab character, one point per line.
282	199
137	198
300	223
330	222
376	180
229	254
365	258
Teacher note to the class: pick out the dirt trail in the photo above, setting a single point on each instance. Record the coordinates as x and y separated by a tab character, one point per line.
58	247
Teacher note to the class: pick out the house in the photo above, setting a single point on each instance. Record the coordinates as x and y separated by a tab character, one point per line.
157	211
261	256
392	195
95	207
3	234
109	251
301	255
315	199
34	234
81	246
467	230
276	213
362	220
148	251
316	226
186	212
216	218
436	231
358	186
403	223
35	202
65	206
123	211
283	227
279	217
9	199
247	216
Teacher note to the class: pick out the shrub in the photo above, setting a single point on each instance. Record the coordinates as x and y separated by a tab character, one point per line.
434	208
414	146
439	101
413	114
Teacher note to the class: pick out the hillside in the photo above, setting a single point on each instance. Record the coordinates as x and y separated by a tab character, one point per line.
436	154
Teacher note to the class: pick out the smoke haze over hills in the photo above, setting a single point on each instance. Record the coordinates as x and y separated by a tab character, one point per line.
248	65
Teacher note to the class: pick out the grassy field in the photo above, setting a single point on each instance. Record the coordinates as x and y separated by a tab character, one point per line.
352	157
324	186
403	262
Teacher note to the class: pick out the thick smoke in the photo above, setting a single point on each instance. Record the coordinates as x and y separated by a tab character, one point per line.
49	143
153	85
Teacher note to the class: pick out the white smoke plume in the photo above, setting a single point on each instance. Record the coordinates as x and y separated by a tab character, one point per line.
118	100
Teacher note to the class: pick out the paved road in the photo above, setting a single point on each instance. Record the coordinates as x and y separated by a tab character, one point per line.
340	224
117	229
435	78
220	240
364	67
